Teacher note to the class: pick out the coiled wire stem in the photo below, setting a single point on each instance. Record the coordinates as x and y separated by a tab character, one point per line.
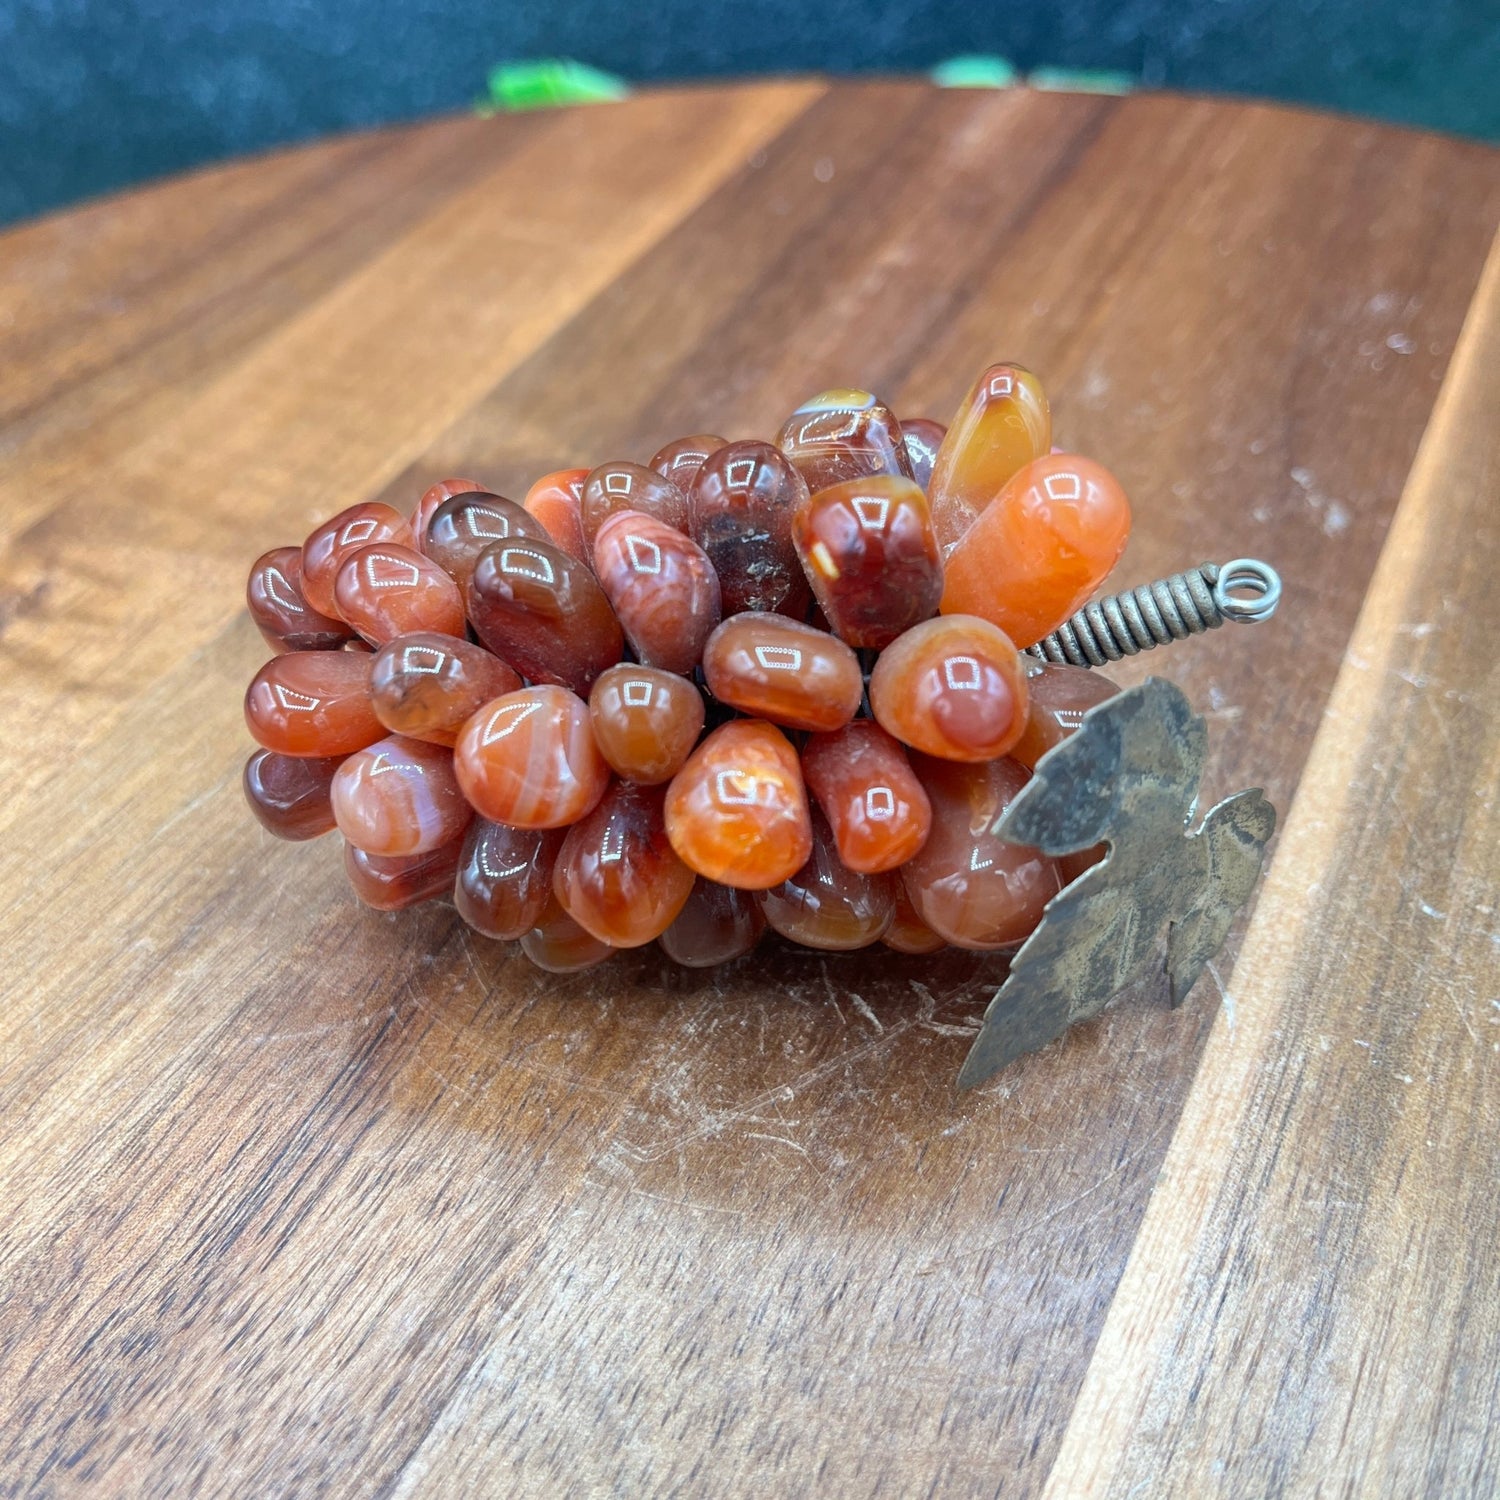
1171	609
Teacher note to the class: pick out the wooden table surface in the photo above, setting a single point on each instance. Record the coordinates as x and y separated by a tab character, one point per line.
296	1198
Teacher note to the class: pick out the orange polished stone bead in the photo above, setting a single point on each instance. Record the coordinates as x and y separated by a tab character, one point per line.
313	703
543	611
1003	424
556	500
971	887
954	687
1059	697
646	721
289	794
680	460
662	587
716	924
464	525
737	811
1042	547
740	511
286	621
428	686
399	796
908	933
617	874
922	438
325	549
868	548
870	795
529	759
395	882
784	671
825	905
444	489
625	486
389	590
843	434
504	881
559	945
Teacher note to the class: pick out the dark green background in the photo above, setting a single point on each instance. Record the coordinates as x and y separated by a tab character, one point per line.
95	94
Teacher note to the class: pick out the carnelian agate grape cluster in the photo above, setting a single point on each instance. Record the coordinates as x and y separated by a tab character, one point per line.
745	685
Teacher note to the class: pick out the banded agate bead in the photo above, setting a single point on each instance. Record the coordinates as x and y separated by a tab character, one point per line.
444	489
559	945
289	794
313	703
826	905
680	460
389	590
922	438
954	687
395	882
543	611
529	759
869	794
1059	697
737	811
625	486
427	686
645	721
662	587
556	501
277	605
784	671
399	796
1003	424
1040	549
841	435
327	546
908	933
740	512
716	924
868	549
504	881
463	526
617	874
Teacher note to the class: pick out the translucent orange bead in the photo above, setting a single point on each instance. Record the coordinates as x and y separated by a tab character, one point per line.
325	549
784	671
1045	543
463	526
1003	424
277	605
399	796
313	703
922	438
504	881
529	759
870	795
843	434
626	486
825	905
908	933
444	489
395	882
1059	697
427	686
646	721
954	687
556	501
662	587
559	945
389	590
680	460
617	874
290	794
971	887
737	811
868	548
717	924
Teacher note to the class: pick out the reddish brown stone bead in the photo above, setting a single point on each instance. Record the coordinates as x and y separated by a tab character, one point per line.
843	434
1059	697
559	945
954	687
399	796
868	549
662	588
825	905
444	489
626	486
529	759
392	883
542	610
617	874
325	549
389	590
427	686
289	794
504	881
463	526
556	501
778	669
740	511
922	438
680	460
646	721
908	933
286	621
737	811
313	703
971	887
870	795
717	924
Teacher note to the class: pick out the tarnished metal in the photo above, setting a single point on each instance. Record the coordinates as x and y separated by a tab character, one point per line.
1129	778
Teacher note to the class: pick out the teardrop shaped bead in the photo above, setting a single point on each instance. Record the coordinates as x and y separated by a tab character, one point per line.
399	796
427	686
1003	424
679	461
327	546
737	811
843	434
784	671
908	933
444	489
867	790
1059	696
313	703
1040	549
617	874
543	611
529	759
716	925
463	526
954	687
662	587
395	882
625	486
646	721
504	880
277	605
556	500
826	905
559	945
740	511
389	590
922	438
290	794
868	549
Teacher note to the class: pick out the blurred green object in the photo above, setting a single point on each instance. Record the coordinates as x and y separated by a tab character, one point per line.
1070	81
547	83
976	71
